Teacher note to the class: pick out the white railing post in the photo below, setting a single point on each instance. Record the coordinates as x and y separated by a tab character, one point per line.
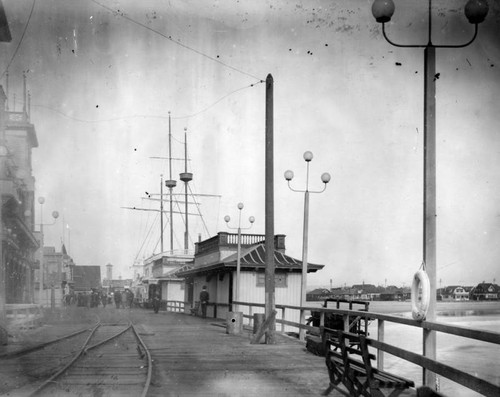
301	330
346	322
380	338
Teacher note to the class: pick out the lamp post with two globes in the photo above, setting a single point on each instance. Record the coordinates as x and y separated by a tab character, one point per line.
475	12
227	219
55	215
325	178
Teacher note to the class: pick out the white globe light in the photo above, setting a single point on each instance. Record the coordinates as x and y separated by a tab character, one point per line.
41	200
308	156
325	178
289	175
227	218
240	206
251	219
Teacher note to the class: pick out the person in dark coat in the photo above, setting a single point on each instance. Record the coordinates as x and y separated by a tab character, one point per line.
104	298
156	301
204	297
118	299
130	298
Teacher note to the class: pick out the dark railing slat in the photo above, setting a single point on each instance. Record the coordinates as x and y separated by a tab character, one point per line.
479	385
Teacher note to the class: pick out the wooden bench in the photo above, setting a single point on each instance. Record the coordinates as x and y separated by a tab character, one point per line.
358	376
196	309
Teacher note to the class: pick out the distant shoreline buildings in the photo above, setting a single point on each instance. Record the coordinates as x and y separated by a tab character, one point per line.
481	292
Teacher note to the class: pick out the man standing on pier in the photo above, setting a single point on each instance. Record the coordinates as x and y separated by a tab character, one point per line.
204	297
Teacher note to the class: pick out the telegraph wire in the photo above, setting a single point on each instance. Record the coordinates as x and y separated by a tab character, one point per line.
215	103
147	237
145	116
197	204
122	14
20	41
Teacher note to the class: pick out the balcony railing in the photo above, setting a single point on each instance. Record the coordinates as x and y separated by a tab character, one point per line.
224	239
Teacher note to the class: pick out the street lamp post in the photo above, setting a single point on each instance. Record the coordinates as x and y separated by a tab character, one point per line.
475	11
55	215
325	178
238	258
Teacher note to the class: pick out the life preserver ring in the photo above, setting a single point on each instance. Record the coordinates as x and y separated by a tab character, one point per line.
420	303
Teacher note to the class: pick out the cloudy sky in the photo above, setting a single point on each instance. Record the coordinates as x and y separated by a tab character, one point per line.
104	74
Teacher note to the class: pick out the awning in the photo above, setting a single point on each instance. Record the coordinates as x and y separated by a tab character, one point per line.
151	281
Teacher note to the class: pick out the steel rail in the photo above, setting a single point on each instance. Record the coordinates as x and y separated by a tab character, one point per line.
150	363
86	347
31	349
65	367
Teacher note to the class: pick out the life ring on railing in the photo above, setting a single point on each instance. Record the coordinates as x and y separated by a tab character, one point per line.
419	307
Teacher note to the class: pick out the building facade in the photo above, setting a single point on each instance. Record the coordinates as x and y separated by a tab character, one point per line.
58	272
19	242
160	275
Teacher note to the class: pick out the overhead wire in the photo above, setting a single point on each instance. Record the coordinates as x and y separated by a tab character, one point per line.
147	236
20	41
122	14
199	211
143	229
145	116
215	103
159	238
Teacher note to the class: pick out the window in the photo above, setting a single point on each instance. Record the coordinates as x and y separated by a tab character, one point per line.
279	280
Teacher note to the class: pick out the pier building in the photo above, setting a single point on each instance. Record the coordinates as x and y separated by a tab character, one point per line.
215	266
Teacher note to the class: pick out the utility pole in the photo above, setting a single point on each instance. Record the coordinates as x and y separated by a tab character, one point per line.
5	37
270	303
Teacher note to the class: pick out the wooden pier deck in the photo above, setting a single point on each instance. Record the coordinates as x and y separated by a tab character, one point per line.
197	357
194	357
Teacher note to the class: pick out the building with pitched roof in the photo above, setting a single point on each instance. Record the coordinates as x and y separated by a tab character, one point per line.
215	266
485	291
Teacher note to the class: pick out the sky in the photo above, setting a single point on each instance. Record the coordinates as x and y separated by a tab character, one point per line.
103	76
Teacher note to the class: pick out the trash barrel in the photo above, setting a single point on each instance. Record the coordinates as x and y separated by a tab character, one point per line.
258	319
234	323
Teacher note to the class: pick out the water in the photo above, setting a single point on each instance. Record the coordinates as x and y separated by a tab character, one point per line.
474	357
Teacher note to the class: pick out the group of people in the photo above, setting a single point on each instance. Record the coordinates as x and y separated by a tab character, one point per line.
95	298
124	299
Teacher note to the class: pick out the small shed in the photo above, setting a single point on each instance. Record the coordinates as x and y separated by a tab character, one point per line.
215	266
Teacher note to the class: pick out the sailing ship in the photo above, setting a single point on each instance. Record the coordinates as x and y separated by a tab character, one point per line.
156	274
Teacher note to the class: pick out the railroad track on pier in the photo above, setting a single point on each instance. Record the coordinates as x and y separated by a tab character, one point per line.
109	359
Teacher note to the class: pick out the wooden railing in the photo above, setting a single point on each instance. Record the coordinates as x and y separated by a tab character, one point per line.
22	315
463	378
245	239
185	307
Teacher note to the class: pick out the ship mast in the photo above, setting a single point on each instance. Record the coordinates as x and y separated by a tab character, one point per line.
186	177
161	212
170	183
